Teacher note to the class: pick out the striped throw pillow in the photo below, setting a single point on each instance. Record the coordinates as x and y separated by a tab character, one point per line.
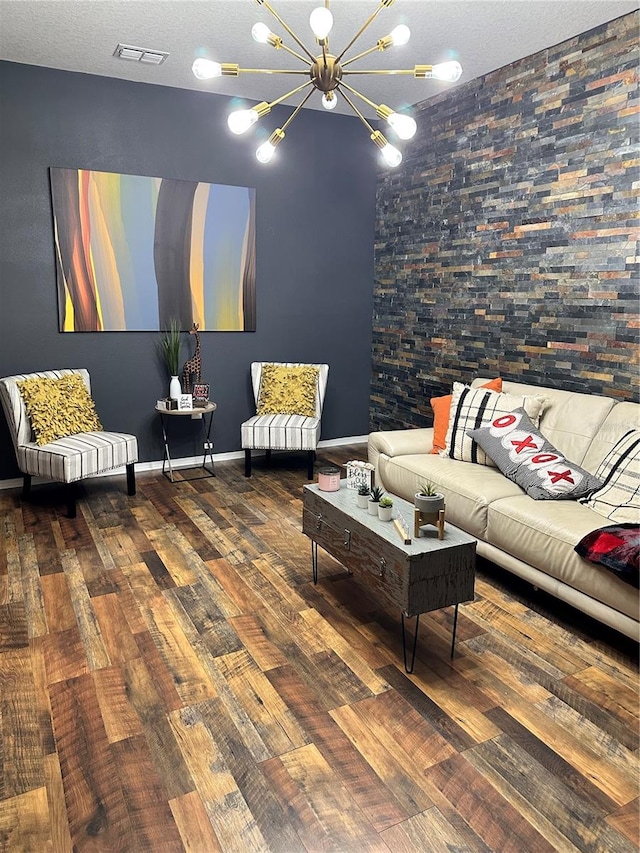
472	408
619	498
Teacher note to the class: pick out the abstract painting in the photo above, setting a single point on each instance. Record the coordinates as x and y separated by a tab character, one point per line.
134	252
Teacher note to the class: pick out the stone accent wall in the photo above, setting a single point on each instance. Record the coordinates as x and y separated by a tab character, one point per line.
506	240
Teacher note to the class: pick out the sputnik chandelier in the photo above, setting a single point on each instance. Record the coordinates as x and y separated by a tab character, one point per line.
326	74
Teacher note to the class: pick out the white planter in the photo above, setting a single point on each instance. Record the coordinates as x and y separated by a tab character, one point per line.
385	512
175	388
372	506
428	503
362	500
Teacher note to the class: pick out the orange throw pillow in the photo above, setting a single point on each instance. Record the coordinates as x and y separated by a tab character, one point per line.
441	407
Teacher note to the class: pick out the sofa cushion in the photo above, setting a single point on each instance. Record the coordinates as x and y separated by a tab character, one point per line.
570	421
528	459
544	534
619	498
441	407
468	489
475	407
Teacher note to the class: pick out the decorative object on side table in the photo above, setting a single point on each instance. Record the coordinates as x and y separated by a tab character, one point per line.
374	500
362	497
429	509
359	473
169	348
200	395
193	366
385	508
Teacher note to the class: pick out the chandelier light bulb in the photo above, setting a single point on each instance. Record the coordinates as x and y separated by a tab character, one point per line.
205	69
265	152
400	35
392	157
321	21
260	33
403	126
240	121
447	71
329	100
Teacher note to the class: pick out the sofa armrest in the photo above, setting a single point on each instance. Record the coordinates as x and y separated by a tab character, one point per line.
400	442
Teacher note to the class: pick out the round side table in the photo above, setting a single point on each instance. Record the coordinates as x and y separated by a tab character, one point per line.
199	413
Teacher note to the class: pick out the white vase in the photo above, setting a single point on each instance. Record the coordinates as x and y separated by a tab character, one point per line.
372	506
385	512
175	389
362	500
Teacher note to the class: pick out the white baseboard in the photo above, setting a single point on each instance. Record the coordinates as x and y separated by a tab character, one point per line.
183	462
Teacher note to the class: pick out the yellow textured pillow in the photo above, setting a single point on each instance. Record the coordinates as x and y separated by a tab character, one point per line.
58	407
288	390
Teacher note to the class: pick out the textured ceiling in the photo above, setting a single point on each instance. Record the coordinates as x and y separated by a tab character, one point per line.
81	35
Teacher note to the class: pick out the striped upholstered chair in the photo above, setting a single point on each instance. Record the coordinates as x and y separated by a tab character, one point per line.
284	430
69	459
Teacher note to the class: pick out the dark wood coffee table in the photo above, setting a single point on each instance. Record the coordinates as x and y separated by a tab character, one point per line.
426	575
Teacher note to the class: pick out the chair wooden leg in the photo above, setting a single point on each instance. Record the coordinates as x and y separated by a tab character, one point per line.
310	460
247	463
26	485
131	479
72	489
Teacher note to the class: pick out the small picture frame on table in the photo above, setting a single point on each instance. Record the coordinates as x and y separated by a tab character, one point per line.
185	402
359	474
200	395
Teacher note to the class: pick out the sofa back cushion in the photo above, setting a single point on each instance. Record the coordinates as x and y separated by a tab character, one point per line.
569	420
622	417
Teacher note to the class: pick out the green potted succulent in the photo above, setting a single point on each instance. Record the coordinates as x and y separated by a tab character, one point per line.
374	499
362	497
169	347
428	498
385	508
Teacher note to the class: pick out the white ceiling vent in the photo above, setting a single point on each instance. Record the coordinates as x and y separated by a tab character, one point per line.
140	54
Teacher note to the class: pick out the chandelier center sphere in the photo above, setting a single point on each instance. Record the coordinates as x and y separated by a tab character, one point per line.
325	73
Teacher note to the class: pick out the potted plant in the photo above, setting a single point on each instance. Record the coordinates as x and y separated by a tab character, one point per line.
170	352
363	495
385	508
374	499
428	499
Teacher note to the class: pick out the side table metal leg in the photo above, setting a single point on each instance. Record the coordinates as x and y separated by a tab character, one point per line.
166	456
208	448
314	560
455	626
404	645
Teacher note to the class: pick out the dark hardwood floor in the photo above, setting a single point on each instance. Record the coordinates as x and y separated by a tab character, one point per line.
172	680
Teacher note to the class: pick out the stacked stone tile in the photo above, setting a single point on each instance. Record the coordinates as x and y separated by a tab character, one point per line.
506	242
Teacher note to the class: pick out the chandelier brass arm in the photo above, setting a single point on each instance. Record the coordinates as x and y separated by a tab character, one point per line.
326	74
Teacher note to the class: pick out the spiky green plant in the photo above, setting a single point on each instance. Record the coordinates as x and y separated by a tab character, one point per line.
376	494
169	347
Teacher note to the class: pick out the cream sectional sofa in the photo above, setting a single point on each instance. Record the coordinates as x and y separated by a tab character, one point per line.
532	539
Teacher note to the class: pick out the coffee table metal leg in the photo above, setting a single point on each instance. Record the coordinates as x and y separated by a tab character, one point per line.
404	645
455	625
314	560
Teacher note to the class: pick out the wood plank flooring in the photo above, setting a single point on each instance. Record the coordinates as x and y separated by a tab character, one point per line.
172	680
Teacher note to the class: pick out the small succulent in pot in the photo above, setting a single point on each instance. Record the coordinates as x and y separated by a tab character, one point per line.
374	498
428	498
385	508
362	498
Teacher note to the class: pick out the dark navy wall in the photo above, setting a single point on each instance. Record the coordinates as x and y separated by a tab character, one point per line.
315	236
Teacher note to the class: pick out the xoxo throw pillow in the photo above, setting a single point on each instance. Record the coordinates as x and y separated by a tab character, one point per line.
528	459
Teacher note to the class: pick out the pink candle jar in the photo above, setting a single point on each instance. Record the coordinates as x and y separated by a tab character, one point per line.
329	479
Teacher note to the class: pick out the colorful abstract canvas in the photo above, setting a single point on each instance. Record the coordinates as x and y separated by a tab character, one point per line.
133	252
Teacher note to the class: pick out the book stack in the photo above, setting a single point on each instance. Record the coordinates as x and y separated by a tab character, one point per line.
167	405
